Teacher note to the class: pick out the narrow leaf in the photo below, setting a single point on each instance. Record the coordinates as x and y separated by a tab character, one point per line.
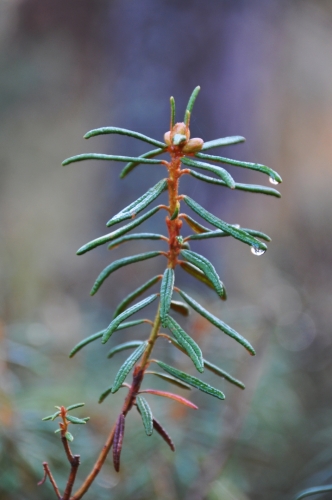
239	234
193	381
222	234
123	131
196	273
194	225
220	172
118	264
191	103
146	414
132	164
97	156
224	141
180	307
218	371
118	440
207	268
73	407
117	233
127	366
137	206
114	325
172	102
187	343
166	292
135	236
123	347
252	166
51	417
161	431
170	379
314	491
170	395
217	322
69	436
136	293
75	420
252	188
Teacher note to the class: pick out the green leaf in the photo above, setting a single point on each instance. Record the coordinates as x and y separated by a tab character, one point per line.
69	436
104	394
116	234
190	104
252	188
124	346
176	212
185	341
146	414
314	491
123	131
136	293
252	166
193	381
239	234
180	307
137	206
222	234
135	236
196	273
217	322
127	366
97	156
166	292
113	326
73	407
218	371
172	102
132	164
207	268
51	417
118	264
220	172
194	225
170	379
98	335
75	420
224	141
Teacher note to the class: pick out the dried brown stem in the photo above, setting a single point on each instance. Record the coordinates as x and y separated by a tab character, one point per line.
48	473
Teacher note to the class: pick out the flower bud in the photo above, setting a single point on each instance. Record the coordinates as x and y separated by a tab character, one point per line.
167	138
193	145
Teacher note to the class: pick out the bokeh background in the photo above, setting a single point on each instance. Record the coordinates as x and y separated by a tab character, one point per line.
265	69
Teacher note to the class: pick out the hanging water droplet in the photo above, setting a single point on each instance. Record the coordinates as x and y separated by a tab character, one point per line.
257	251
273	181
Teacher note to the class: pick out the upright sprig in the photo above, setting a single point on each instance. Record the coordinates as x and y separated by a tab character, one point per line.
187	155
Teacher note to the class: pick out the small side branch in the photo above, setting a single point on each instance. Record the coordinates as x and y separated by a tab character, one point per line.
72	476
48	473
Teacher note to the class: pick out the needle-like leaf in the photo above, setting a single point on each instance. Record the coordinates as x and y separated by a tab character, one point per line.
196	273
170	395
118	232
132	164
252	188
123	131
166	292
73	407
137	206
218	371
146	414
190	104
207	268
188	344
193	381
239	234
222	234
224	141
97	156
194	225
220	172
217	322
172	102
127	366
161	431
114	325
180	307
123	347
118	440
170	379
252	166
313	491
118	264
136	293
135	236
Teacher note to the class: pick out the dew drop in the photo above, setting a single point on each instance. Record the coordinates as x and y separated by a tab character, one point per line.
273	181
169	341
257	251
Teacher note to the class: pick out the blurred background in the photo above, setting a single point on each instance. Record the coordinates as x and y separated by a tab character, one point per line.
265	70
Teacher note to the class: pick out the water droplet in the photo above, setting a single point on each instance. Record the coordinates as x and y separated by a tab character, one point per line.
273	181
237	226
257	251
169	341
